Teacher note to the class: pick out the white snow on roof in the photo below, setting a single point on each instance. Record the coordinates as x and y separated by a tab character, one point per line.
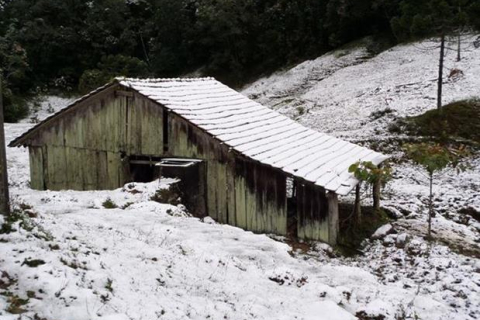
258	132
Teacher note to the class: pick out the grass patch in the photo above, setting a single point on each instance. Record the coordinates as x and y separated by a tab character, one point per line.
109	204
33	263
351	233
172	195
457	120
109	285
16	215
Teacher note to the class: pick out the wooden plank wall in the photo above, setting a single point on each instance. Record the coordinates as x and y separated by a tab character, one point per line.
83	150
239	192
312	212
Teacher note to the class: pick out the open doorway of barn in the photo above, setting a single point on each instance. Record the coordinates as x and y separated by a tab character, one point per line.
143	169
192	182
292	220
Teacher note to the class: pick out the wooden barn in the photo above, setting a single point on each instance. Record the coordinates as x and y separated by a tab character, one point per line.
242	163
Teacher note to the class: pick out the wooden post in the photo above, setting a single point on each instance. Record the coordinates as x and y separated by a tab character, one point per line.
440	71
333	218
4	197
358	206
430	207
376	194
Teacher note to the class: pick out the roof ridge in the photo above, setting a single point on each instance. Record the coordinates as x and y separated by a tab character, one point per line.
155	80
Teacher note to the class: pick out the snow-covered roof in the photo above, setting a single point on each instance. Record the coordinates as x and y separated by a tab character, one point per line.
259	132
250	129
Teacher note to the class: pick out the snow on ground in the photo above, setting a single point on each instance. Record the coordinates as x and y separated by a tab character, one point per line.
146	260
152	261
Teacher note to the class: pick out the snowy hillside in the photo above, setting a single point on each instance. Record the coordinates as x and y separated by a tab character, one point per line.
76	259
338	92
346	93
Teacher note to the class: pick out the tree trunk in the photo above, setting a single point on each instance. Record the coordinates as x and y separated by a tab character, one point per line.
459	41
4	197
430	208
440	71
357	208
376	195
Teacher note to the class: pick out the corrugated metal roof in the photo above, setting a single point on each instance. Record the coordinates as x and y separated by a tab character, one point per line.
258	132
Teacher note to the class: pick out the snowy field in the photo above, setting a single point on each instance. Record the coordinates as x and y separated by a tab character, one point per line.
146	260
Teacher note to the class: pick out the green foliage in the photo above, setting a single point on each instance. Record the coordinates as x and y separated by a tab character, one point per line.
13	73
109	204
459	119
421	18
369	172
65	45
32	263
436	157
110	67
16	215
172	195
91	79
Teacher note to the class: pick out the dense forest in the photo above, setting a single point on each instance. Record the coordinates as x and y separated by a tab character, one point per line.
74	45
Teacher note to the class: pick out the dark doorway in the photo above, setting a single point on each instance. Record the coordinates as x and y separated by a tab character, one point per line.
143	169
192	184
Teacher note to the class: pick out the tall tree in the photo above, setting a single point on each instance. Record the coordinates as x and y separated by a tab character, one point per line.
4	195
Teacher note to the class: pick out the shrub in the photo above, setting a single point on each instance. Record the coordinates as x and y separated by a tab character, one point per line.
172	195
459	119
109	204
380	113
92	79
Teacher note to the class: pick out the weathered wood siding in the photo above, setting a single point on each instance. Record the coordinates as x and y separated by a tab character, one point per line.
312	212
87	147
239	192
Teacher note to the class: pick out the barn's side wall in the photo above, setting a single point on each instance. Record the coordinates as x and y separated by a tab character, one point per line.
85	149
239	192
313	212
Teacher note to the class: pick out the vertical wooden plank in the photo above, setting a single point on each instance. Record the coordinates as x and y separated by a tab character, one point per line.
240	190
260	193
89	174
36	168
46	177
250	197
221	192
333	224
240	210
231	207
101	166
212	189
282	203
300	210
114	168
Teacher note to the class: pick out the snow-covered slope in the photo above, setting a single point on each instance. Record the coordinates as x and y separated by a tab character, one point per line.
151	261
338	92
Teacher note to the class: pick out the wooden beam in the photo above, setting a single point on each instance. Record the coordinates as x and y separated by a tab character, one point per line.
332	217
